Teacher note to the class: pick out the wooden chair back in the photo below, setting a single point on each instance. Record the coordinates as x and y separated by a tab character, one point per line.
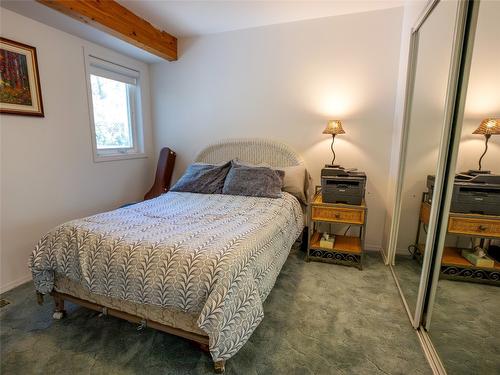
164	170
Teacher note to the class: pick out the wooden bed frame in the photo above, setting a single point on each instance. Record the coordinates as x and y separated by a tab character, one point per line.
59	312
254	151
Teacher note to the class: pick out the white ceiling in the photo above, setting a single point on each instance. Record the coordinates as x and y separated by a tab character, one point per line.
192	18
48	16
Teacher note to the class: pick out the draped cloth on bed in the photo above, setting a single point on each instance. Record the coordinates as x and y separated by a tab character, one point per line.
214	255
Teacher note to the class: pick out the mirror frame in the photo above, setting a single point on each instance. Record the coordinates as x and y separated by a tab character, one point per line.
453	149
452	87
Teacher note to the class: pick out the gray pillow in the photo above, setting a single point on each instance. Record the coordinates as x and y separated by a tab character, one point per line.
240	163
203	178
253	181
295	179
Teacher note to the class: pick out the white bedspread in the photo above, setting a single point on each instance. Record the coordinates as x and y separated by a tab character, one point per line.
216	255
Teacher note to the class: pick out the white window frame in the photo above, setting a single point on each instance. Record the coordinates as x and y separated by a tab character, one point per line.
95	65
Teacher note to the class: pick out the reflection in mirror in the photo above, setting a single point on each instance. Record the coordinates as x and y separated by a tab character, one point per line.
465	323
424	132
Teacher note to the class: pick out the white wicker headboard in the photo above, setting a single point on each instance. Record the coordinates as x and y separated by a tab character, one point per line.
251	150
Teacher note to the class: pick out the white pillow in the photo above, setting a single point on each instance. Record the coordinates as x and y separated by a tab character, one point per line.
294	182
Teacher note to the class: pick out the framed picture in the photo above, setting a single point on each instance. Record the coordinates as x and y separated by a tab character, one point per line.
20	92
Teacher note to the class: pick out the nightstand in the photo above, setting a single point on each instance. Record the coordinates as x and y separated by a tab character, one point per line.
347	250
453	265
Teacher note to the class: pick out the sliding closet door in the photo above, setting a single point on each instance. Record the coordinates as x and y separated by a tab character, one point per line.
464	299
434	60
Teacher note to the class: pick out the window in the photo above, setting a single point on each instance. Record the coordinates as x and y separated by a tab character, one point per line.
113	97
112	114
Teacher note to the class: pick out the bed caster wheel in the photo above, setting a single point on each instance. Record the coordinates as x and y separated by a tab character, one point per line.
58	315
220	367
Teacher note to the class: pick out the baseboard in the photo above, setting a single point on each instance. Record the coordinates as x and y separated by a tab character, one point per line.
378	249
12	284
370	247
402	252
384	257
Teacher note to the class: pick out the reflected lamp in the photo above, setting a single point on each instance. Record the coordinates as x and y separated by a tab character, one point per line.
488	127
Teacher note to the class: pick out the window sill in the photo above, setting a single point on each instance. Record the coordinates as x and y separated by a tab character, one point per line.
115	157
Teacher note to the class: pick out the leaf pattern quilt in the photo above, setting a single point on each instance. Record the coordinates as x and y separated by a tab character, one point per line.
210	254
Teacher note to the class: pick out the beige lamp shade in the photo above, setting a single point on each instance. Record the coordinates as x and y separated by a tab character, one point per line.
488	126
334	127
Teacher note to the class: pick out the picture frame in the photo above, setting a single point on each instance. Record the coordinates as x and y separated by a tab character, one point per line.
20	91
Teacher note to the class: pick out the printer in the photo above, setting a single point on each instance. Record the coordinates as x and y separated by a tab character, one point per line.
339	185
473	193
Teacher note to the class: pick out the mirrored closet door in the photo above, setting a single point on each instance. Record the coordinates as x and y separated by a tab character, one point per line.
446	229
462	315
432	69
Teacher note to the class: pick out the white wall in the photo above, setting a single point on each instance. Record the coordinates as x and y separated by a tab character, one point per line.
283	82
48	175
427	117
483	93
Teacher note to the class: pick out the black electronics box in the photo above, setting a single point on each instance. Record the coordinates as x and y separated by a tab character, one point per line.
472	193
339	185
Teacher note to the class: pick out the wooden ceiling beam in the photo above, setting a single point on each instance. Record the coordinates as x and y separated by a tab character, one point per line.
115	19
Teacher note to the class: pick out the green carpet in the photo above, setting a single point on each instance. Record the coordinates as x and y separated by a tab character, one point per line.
408	272
319	319
465	328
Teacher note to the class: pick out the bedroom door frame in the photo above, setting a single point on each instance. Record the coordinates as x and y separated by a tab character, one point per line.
415	317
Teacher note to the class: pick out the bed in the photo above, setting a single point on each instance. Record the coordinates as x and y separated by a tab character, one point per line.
199	266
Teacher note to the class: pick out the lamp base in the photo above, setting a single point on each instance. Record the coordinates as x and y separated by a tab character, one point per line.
475	172
336	166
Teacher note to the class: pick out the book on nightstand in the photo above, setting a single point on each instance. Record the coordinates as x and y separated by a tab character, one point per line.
478	261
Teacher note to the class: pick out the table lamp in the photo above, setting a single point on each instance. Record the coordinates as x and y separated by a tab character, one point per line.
488	127
333	127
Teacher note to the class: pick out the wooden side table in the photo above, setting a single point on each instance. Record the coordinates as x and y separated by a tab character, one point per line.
347	250
453	265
